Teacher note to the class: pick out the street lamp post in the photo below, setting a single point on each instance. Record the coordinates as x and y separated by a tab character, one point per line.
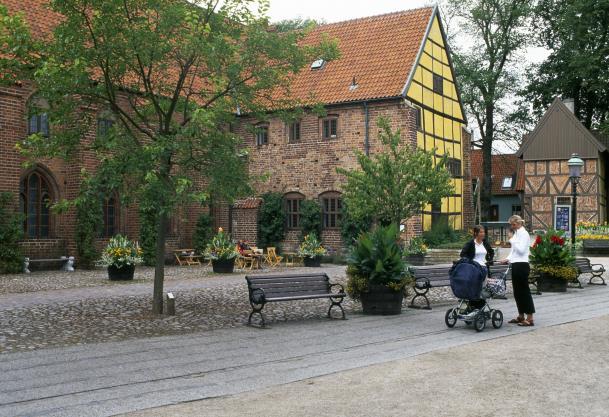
575	167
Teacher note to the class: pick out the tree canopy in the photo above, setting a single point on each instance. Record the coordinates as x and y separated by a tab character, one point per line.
396	183
169	76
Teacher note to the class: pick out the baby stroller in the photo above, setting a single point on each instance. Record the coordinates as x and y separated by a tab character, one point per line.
466	281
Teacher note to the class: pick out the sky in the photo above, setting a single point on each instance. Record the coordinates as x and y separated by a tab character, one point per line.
338	10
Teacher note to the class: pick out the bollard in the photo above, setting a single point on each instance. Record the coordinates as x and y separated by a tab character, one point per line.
170	308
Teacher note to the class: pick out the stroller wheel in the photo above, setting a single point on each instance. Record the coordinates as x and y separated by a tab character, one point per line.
497	318
450	318
480	322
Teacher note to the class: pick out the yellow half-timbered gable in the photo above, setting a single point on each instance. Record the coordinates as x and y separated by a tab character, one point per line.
433	91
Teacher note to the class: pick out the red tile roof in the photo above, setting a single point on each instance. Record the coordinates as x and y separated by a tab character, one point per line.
507	165
248	203
379	51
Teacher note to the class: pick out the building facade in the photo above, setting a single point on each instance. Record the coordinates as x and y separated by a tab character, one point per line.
545	152
395	66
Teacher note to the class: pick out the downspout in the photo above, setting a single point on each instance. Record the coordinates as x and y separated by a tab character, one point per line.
366	129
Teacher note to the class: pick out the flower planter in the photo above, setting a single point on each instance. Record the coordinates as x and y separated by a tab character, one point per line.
312	262
124	273
550	283
223	266
416	260
382	300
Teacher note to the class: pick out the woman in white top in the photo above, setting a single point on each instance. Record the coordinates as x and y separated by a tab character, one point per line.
519	259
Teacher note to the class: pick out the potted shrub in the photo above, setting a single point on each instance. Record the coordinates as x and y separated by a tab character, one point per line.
415	251
221	250
311	251
376	272
553	261
120	257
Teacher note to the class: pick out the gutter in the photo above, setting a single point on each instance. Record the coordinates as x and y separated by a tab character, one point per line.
366	129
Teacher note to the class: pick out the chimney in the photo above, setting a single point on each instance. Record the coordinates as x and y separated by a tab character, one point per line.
570	103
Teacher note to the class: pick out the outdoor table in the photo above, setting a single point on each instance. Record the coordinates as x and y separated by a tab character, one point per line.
187	257
292	258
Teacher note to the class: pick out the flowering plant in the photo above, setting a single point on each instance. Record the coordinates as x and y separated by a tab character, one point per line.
416	246
121	252
221	247
592	231
311	247
551	254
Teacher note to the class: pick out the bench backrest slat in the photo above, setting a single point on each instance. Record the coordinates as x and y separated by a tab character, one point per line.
289	285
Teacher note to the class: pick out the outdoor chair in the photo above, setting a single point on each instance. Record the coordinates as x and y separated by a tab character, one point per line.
271	258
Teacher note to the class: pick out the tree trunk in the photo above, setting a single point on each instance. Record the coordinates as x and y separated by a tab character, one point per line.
487	170
159	269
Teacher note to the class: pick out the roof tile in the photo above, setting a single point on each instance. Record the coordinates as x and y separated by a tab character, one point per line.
506	165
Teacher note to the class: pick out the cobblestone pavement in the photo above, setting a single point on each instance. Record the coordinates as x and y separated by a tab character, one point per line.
50	309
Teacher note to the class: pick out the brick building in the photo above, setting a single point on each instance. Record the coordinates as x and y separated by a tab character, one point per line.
545	152
396	66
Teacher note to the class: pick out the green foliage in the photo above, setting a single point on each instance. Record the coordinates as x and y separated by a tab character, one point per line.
441	235
416	246
89	220
551	250
203	232
310	217
351	227
148	235
311	247
11	232
395	184
221	247
568	273
298	23
271	220
576	32
376	259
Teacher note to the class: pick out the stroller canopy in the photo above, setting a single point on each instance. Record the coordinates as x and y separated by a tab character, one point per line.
466	280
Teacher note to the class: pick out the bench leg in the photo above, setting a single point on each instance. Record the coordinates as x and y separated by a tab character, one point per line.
417	295
577	282
338	304
597	275
256	310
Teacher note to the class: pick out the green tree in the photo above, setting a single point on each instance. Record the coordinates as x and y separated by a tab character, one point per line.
298	23
271	220
89	218
396	183
351	227
173	74
484	66
11	232
310	218
203	232
576	32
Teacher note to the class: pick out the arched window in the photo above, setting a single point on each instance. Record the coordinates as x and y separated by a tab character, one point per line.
292	209
110	210
331	209
35	198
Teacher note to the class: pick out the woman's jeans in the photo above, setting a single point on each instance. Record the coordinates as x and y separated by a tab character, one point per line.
522	292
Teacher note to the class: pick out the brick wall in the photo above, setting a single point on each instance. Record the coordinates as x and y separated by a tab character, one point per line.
245	224
468	198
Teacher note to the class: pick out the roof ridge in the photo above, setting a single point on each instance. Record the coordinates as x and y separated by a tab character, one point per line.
376	16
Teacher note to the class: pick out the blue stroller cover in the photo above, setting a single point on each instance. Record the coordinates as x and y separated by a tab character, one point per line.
466	279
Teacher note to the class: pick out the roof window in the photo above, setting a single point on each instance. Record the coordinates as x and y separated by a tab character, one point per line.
507	183
318	64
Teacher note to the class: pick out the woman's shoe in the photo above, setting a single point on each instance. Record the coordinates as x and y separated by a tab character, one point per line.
526	323
517	320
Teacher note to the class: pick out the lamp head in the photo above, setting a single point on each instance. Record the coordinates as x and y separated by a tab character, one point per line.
575	166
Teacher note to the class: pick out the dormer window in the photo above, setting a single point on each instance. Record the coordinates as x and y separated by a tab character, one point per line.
507	183
318	64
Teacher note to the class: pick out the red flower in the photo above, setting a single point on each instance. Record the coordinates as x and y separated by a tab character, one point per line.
538	240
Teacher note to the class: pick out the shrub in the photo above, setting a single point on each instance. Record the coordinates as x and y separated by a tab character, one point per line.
148	235
416	246
551	254
311	247
351	227
271	220
441	235
203	232
89	218
11	232
310	217
376	258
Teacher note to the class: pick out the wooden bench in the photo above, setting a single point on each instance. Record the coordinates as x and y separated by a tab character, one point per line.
596	245
435	276
596	271
66	263
275	288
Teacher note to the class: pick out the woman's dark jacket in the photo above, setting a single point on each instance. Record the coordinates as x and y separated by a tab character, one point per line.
469	251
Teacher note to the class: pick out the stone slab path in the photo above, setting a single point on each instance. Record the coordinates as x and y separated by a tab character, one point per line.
111	378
